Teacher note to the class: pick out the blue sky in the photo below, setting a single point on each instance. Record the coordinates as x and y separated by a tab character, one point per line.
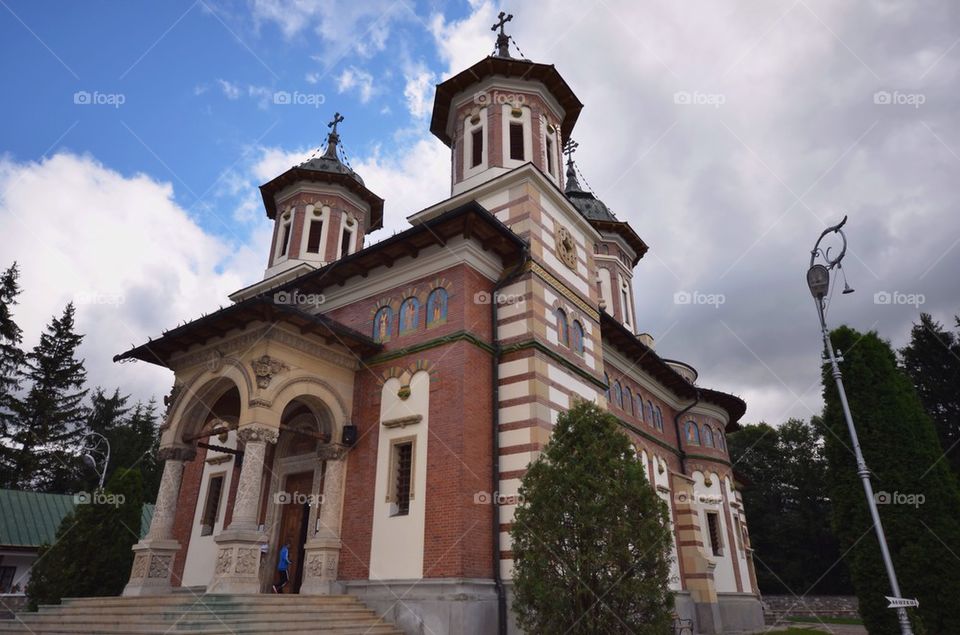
196	85
728	134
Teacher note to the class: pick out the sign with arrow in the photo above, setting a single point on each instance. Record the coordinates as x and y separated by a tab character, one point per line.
901	603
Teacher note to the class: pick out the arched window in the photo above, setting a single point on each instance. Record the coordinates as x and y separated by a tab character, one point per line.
617	394
651	419
606	378
409	315
628	401
659	420
641	414
383	324
576	337
721	443
693	433
563	333
437	307
708	436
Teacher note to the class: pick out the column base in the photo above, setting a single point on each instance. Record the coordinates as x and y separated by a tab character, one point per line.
152	568
321	557
237	569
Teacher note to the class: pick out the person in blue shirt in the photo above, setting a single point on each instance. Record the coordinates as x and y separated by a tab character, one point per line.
283	565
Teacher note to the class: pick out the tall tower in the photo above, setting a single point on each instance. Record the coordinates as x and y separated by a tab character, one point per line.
616	253
501	113
321	210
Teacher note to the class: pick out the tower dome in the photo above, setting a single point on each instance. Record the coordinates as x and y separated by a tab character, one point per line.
589	206
321	208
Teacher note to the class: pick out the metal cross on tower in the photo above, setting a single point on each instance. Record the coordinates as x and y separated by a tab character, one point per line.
503	40
569	148
337	118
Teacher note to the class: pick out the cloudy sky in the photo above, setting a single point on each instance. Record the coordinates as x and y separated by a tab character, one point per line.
729	134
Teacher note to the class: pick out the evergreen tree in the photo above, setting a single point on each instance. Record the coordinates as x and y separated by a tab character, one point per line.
786	497
918	494
11	369
91	554
590	535
51	416
932	360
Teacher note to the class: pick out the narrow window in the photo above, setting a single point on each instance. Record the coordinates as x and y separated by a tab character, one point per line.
285	240
708	436
576	337
477	148
716	541
563	334
738	532
6	579
404	469
618	394
550	155
313	238
628	401
345	243
693	433
211	509
516	141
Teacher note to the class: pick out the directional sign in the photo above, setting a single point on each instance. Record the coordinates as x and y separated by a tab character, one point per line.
899	603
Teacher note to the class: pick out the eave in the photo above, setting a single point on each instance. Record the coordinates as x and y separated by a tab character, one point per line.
509	67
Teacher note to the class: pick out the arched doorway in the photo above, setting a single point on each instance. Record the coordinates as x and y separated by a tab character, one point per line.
297	484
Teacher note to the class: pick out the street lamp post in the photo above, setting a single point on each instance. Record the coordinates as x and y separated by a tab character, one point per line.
96	454
818	279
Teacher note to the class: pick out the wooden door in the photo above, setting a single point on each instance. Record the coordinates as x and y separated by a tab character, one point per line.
293	524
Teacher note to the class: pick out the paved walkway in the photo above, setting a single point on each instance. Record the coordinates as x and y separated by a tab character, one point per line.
836	629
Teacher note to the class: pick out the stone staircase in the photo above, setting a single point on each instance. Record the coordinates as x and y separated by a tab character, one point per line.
185	614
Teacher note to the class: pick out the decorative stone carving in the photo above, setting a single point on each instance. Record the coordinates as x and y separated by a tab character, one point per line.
402	422
247	561
160	566
259	403
566	247
256	433
331	452
214	361
315	565
171	398
139	569
224	560
265	367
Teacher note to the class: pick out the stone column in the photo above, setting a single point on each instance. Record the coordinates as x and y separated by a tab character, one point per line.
237	568
154	555
322	551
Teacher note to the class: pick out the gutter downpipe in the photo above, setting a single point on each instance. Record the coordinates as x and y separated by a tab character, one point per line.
495	472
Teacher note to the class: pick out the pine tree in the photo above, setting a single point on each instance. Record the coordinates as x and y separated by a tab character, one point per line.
51	416
11	369
918	495
932	360
787	496
590	536
91	554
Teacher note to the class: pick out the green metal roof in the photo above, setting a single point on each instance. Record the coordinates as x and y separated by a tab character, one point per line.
30	519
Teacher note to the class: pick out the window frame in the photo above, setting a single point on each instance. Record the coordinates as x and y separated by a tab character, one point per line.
393	475
208	529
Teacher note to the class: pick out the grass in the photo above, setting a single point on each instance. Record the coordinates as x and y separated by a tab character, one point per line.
824	619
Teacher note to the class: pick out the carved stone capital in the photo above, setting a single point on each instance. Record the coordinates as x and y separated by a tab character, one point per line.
177	453
258	433
265	367
331	452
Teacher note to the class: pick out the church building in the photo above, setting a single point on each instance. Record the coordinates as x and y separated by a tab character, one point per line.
375	405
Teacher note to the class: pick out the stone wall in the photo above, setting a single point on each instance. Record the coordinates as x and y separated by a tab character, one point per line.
775	607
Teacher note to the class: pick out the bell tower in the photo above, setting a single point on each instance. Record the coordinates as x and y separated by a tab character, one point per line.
502	113
321	210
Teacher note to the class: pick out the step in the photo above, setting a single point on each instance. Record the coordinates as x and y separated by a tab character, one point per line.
253	625
19	629
206	609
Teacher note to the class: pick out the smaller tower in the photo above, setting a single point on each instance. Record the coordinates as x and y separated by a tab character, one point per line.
616	253
502	113
321	210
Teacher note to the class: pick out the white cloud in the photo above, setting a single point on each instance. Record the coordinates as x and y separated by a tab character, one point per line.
118	246
230	90
418	90
353	78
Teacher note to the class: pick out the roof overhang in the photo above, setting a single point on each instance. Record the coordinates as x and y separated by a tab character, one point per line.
492	66
655	366
257	309
297	174
470	220
623	229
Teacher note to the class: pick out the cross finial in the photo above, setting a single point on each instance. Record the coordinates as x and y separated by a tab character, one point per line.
569	148
503	40
337	118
